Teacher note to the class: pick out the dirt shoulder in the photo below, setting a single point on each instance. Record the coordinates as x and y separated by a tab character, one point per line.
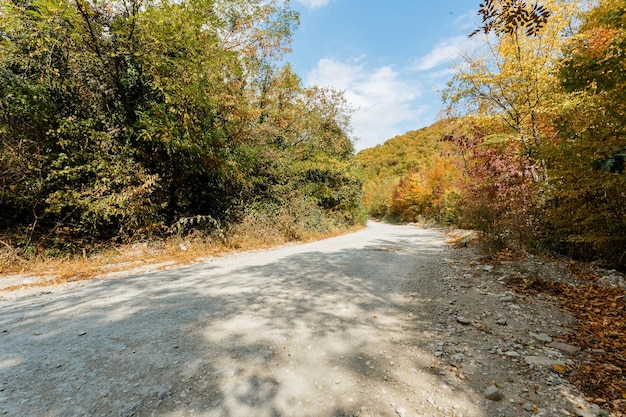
387	321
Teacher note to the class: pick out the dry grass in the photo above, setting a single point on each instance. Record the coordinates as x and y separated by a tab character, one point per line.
460	238
154	255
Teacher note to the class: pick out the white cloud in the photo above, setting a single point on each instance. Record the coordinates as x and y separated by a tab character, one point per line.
385	103
314	4
468	22
444	53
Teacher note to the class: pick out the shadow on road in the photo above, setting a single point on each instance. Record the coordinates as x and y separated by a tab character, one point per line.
317	333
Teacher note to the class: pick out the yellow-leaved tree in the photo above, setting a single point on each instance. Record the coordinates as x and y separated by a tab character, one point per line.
585	201
512	71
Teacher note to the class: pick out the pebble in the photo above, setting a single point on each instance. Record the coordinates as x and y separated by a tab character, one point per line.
459	357
583	413
463	320
129	410
529	407
564	347
542	337
508	299
493	393
542	361
401	411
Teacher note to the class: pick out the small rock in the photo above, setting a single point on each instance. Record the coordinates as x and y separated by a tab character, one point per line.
493	393
511	354
612	281
501	321
163	393
529	407
459	357
129	410
565	347
463	320
401	411
542	337
554	380
542	361
82	333
583	412
487	268
508	299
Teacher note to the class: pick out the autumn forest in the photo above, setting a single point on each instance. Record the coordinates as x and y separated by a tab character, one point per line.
122	121
532	153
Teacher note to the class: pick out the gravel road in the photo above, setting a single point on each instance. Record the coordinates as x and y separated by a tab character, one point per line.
365	324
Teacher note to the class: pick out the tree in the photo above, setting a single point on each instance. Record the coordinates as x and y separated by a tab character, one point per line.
118	119
513	73
586	208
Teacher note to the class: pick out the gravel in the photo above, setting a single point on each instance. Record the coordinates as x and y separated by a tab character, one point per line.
365	324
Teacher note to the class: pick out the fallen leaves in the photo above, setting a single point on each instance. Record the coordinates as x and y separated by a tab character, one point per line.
600	314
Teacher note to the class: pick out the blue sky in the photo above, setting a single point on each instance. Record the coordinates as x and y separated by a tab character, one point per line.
392	58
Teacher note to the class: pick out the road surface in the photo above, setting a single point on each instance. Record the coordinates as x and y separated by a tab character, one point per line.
348	326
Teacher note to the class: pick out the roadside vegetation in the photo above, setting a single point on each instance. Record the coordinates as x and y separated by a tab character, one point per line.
533	152
130	121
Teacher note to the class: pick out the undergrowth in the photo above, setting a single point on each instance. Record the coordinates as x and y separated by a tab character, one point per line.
252	232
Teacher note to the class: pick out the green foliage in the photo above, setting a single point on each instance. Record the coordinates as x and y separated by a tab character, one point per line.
120	120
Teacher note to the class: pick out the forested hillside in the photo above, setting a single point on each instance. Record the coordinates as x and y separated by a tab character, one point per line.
533	152
410	176
129	120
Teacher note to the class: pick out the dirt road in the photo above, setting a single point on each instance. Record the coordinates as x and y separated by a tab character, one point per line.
387	321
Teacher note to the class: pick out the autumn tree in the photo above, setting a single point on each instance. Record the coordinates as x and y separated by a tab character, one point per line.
586	209
512	72
412	177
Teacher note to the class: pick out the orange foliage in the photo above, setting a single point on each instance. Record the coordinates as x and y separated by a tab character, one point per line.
428	192
599	39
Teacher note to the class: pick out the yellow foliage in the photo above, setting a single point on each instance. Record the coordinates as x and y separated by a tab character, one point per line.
427	192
